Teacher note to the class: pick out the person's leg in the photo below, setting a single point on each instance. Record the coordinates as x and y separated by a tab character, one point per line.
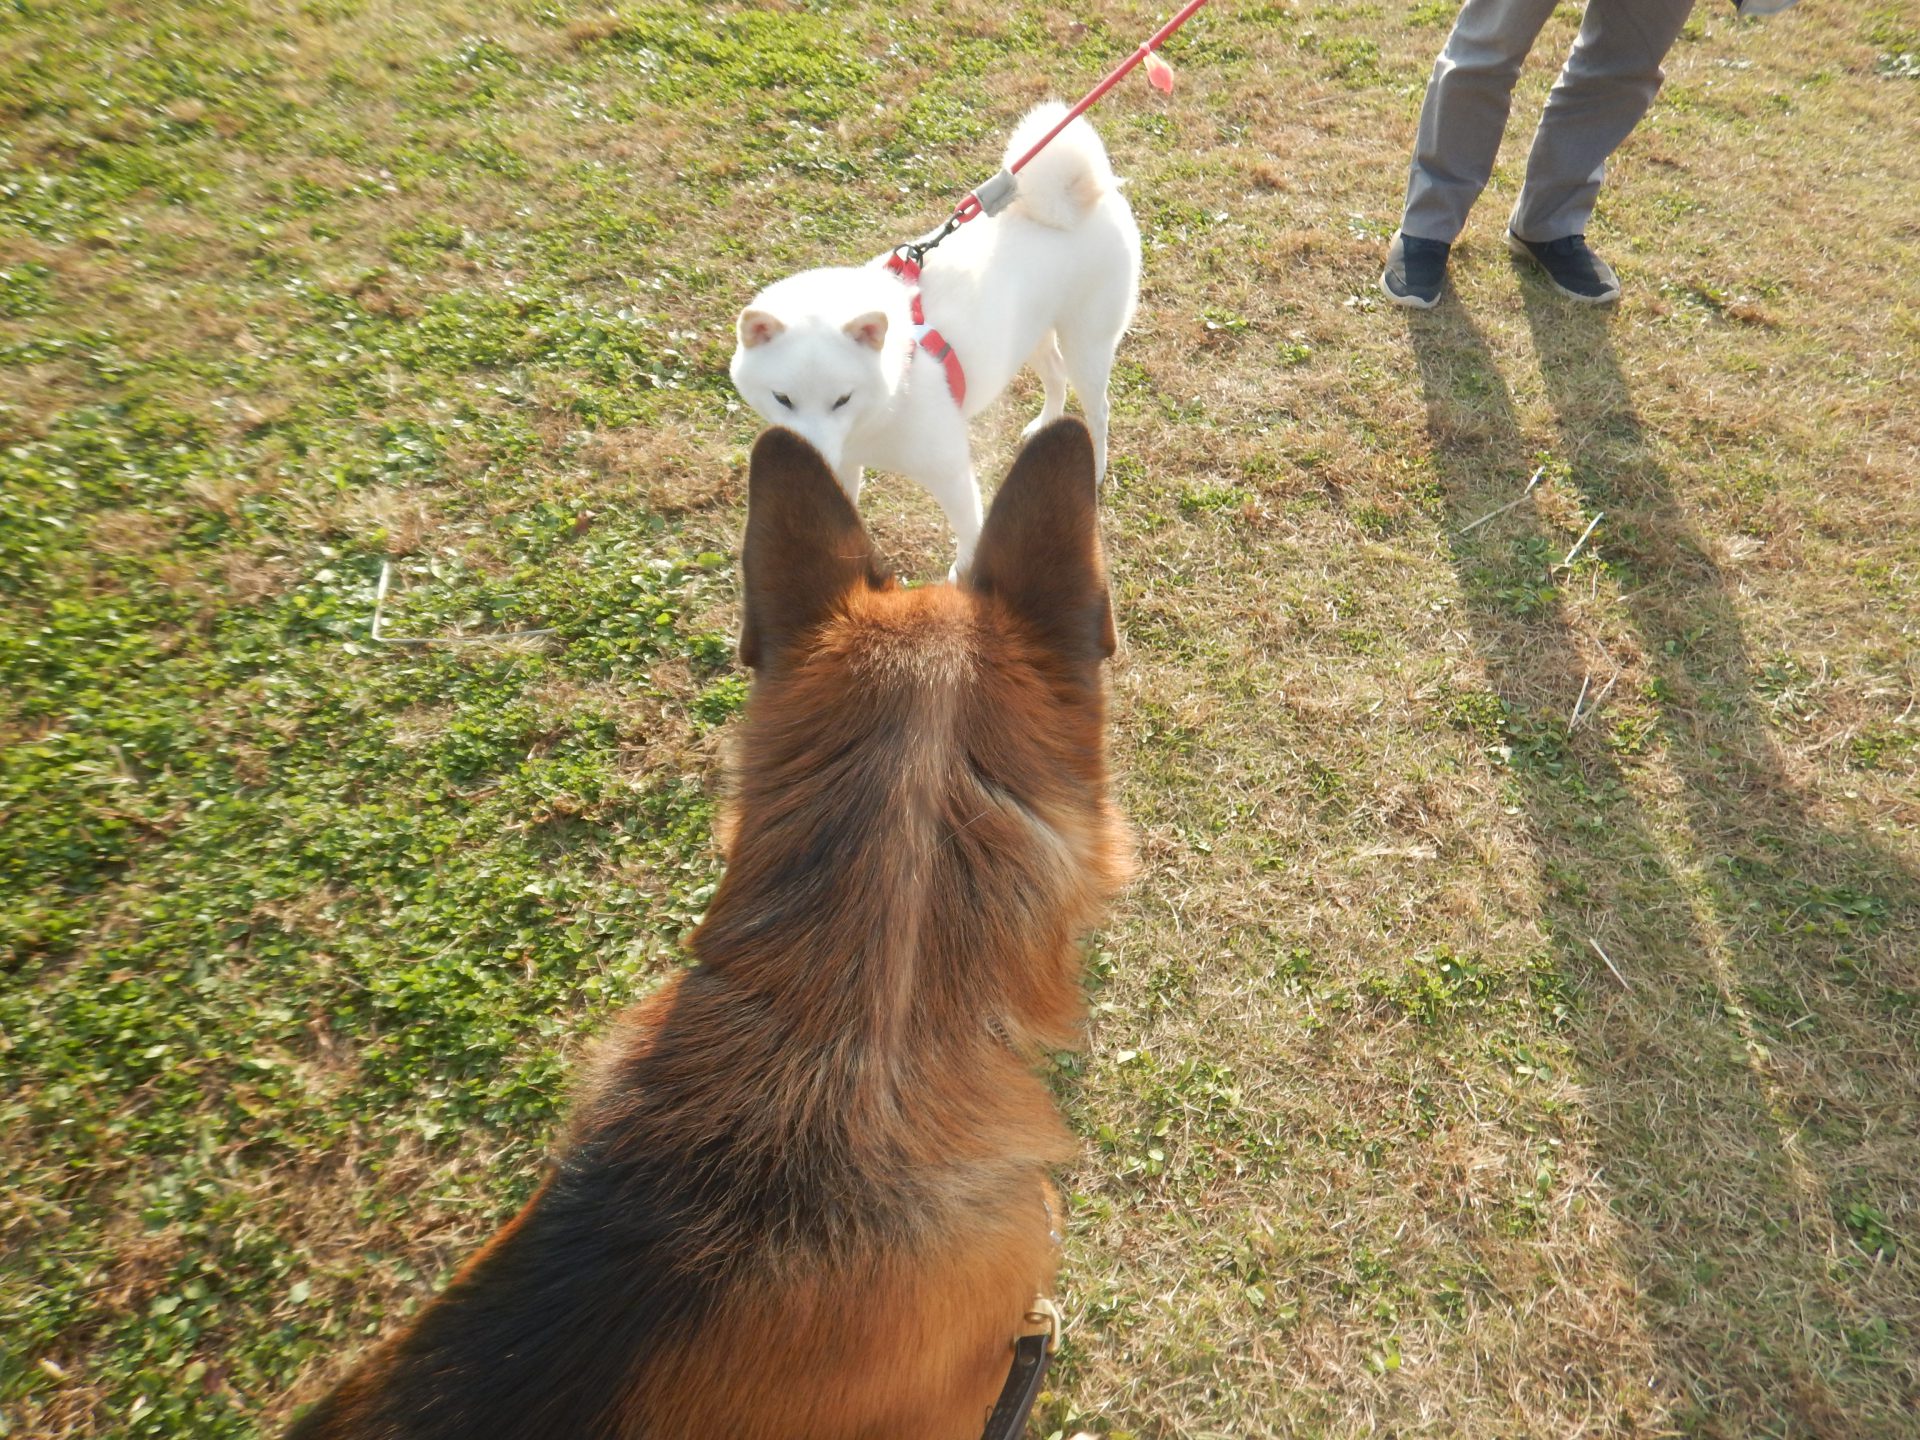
1465	112
1606	86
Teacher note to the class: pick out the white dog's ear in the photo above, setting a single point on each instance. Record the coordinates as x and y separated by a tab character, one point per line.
757	327
1039	551
869	329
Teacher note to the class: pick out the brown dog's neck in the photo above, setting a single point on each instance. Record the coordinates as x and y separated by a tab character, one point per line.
879	881
890	923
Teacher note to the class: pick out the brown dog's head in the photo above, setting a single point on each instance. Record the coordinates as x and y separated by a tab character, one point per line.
948	737
1013	649
808	560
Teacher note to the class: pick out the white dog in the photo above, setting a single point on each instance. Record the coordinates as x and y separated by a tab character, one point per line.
836	354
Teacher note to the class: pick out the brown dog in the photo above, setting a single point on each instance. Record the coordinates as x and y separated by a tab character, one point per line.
804	1195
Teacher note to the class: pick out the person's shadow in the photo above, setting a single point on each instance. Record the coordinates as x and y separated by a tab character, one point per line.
1748	1067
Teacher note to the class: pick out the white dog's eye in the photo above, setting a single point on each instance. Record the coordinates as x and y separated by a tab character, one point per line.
783	399
843	400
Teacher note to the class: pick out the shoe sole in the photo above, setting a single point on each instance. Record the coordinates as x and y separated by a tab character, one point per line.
1407	302
1520	252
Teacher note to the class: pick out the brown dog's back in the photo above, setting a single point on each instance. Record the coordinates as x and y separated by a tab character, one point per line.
803	1197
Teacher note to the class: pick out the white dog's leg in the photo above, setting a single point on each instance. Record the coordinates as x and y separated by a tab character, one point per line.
959	495
851	478
1089	362
1052	370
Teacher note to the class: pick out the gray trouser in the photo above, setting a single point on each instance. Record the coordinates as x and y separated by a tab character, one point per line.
1609	81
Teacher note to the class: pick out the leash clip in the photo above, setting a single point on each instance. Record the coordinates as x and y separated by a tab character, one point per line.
989	199
915	251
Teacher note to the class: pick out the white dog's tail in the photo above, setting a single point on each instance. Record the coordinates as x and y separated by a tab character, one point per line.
1066	180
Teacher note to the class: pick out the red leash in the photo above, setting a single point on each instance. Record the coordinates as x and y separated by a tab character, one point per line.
992	197
1114	77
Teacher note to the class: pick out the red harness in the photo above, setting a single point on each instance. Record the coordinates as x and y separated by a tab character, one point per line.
929	339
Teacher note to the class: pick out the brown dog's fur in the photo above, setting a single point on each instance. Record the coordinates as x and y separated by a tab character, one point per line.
803	1196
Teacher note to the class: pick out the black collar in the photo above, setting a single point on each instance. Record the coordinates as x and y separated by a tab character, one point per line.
1009	1418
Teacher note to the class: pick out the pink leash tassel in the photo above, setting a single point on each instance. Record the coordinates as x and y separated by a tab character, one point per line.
999	190
1114	77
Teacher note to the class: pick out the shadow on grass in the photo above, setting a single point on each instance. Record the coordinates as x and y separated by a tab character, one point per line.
1751	1071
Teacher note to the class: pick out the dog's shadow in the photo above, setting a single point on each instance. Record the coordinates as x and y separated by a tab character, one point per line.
1765	956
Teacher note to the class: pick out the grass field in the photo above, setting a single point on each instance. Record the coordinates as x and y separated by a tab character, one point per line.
1455	1069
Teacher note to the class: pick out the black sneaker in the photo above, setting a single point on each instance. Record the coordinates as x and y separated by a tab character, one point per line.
1415	269
1571	266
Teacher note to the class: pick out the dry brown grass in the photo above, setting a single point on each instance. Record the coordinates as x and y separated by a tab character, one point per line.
1425	1166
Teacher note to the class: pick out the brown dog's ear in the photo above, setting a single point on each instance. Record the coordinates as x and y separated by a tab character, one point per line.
805	548
1039	551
